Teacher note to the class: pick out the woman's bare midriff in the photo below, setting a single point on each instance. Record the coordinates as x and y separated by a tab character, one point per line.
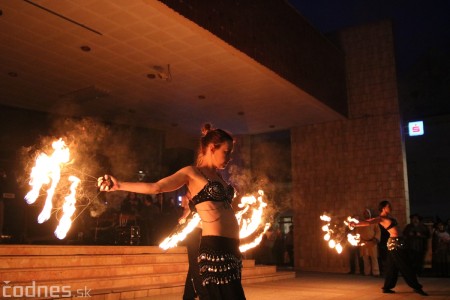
218	219
385	222
393	232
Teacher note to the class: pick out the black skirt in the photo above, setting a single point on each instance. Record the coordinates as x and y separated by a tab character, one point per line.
220	263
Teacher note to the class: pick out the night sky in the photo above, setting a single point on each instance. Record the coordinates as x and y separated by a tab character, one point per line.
418	24
422	47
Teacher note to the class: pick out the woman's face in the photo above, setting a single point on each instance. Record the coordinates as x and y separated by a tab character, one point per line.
388	208
221	155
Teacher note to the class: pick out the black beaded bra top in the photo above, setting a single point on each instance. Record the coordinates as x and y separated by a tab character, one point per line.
214	191
393	223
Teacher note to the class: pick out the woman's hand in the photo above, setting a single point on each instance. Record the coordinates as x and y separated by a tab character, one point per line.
107	183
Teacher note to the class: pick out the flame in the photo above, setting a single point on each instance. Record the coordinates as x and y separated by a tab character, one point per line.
248	225
353	239
48	169
325	218
332	243
249	219
68	209
256	241
335	233
173	239
350	220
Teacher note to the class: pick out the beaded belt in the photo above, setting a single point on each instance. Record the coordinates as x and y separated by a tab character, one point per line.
218	261
395	243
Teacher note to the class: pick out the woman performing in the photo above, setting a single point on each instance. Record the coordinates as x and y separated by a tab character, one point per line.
397	257
219	257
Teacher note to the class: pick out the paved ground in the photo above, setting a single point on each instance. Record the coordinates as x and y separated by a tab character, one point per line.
325	286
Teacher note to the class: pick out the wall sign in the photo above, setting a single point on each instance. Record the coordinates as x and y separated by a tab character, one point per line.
415	128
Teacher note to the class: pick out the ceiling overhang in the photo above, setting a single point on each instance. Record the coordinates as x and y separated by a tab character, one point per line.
143	64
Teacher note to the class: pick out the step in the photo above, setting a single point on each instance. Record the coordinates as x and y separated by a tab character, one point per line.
19	250
258	270
110	272
65	273
279	275
41	261
112	282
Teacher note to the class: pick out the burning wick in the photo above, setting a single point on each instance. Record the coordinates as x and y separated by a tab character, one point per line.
249	224
249	220
69	209
351	220
180	232
48	169
335	233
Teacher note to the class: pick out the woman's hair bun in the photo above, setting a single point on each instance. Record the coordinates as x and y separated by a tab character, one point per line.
206	128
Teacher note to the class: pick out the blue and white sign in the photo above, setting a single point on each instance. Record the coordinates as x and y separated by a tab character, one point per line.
415	128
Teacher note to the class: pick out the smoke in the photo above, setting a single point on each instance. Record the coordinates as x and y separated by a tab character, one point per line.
246	185
264	162
95	149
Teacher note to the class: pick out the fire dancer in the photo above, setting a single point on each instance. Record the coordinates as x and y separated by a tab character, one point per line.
220	260
397	259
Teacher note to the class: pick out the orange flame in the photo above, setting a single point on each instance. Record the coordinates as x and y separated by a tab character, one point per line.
256	241
69	209
48	169
334	235
248	224
173	240
353	239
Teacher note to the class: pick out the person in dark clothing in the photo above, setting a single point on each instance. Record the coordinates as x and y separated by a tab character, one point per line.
441	251
149	218
289	243
416	235
397	258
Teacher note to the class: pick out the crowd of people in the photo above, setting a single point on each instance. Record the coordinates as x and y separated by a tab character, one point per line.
275	248
154	216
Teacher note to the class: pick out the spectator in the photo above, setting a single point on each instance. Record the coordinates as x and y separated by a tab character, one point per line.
355	259
149	220
441	242
416	235
269	242
289	243
278	248
368	250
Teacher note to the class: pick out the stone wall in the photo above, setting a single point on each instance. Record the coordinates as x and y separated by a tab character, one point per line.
343	167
